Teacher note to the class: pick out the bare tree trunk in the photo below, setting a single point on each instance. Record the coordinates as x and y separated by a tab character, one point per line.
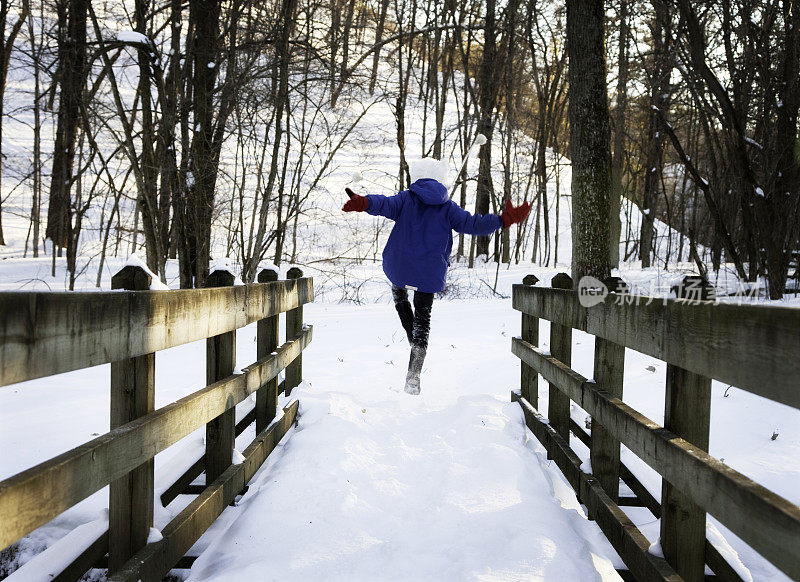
510	100
378	37
6	46
659	100
36	54
282	99
345	43
72	56
620	131
589	138
488	96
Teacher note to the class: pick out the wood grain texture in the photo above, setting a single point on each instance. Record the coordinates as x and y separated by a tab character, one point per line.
529	378
155	560
294	327
37	495
609	370
133	395
42	334
763	519
683	523
220	363
558	404
752	347
267	338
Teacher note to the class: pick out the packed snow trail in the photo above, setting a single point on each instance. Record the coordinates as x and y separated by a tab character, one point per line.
375	484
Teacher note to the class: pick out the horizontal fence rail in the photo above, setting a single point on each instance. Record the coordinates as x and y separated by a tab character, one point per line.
741	345
750	347
44	334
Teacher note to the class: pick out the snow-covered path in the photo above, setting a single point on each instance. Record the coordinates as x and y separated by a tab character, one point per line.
378	485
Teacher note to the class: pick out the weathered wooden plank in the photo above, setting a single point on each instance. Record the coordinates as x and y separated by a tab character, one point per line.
683	523
628	541
294	327
37	495
267	338
529	379
742	345
763	519
88	559
609	370
561	348
155	560
42	334
220	363
133	394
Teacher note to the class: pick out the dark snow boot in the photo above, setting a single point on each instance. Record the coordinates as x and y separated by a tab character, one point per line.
415	368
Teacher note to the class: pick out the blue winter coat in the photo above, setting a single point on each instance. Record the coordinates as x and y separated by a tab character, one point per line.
417	253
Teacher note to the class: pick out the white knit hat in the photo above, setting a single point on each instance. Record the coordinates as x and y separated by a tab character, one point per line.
428	168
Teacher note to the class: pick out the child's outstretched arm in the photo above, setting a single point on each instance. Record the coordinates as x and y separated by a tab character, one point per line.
375	204
484	224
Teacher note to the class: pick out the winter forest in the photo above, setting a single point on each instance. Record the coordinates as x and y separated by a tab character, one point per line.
191	190
188	132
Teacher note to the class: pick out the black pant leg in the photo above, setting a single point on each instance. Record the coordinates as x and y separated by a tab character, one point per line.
423	304
403	306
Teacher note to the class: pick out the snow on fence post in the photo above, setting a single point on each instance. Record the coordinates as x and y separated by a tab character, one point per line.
687	413
132	396
294	328
220	363
529	378
609	369
561	349
267	338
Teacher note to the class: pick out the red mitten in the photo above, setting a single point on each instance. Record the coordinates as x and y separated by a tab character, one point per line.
356	203
513	215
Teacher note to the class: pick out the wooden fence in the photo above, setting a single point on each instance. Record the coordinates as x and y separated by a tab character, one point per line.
42	334
755	348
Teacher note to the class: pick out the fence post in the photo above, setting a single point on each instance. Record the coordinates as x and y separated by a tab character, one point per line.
609	369
560	349
294	327
683	524
220	363
130	500
266	343
529	380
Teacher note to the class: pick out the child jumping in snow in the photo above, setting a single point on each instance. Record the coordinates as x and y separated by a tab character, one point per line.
417	253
